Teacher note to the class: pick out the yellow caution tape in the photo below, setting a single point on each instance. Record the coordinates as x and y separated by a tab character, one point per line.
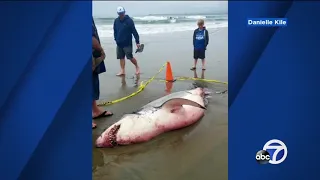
144	84
197	79
141	88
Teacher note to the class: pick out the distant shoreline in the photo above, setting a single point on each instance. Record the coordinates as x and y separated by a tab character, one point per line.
178	14
209	13
162	24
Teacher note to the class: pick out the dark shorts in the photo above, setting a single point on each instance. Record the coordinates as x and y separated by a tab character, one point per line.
124	52
199	54
95	86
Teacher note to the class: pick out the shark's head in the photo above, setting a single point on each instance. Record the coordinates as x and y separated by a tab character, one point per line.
109	137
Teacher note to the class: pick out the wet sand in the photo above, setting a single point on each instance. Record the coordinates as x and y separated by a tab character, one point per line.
196	152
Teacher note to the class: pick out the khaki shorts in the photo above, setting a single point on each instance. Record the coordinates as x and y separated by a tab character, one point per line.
124	52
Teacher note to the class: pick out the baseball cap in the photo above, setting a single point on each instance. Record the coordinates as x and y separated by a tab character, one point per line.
120	10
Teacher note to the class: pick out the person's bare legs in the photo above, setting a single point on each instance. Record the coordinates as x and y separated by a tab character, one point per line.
195	64
96	110
122	66
203	64
195	74
135	63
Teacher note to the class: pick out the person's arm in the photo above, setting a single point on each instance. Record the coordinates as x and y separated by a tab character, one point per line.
95	44
207	38
135	33
194	37
97	47
114	30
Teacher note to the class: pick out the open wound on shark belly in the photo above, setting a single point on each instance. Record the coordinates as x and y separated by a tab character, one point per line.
175	104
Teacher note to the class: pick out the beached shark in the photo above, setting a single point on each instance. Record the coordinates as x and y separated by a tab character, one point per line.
171	112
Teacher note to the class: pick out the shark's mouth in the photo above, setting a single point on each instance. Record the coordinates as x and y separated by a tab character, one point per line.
112	135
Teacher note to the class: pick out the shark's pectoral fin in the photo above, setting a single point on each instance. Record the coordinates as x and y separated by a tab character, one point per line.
176	103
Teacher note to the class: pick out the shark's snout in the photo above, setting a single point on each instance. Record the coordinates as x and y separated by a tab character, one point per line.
108	138
100	141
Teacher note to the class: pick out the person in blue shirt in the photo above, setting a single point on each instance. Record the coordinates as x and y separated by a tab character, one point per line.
124	28
200	43
97	49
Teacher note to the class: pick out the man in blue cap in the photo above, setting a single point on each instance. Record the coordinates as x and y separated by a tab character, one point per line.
100	68
124	28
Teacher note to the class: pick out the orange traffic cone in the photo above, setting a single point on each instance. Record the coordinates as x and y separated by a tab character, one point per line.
169	75
169	87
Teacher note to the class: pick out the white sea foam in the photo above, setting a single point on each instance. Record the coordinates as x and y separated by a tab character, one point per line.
161	18
195	17
151	18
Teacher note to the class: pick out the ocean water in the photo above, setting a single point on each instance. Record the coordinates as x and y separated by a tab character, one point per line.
155	24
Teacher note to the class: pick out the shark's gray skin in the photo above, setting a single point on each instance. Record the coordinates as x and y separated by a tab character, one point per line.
174	111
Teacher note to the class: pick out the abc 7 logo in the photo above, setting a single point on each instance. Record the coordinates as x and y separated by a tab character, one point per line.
264	157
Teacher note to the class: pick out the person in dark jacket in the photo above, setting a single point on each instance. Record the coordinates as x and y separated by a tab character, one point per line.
100	68
200	43
124	28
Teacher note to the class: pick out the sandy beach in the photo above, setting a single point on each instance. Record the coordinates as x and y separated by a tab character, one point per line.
196	152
